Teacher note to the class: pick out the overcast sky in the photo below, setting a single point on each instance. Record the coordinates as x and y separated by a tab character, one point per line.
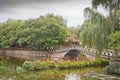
71	10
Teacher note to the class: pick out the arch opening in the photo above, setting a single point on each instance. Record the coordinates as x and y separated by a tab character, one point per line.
73	55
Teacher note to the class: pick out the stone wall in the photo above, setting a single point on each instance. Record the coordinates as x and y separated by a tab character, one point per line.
2	52
24	54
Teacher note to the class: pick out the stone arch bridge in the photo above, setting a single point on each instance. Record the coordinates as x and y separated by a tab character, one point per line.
73	51
90	54
111	55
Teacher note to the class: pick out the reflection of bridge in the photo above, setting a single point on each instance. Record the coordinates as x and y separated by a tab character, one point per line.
89	53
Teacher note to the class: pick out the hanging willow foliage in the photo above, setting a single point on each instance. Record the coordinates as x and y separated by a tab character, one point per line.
113	8
94	32
96	28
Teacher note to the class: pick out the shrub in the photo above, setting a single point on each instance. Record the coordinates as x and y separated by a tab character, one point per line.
4	62
43	65
51	64
34	65
19	69
81	64
113	68
3	69
38	65
27	65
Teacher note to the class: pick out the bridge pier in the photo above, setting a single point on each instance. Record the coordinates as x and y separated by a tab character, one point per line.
111	61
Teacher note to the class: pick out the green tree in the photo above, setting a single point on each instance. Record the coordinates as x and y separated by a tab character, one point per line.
94	31
115	41
96	28
75	30
42	33
112	6
8	35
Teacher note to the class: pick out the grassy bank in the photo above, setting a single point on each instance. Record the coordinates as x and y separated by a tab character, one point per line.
41	65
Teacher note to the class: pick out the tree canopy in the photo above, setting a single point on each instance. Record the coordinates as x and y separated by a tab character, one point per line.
42	33
110	5
94	31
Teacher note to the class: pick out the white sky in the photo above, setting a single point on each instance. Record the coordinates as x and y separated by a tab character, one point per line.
71	10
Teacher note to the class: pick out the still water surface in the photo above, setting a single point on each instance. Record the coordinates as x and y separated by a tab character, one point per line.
77	74
53	74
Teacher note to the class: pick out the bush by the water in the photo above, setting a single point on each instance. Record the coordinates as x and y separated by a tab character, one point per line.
81	64
3	69
38	65
34	65
27	65
3	65
113	68
19	69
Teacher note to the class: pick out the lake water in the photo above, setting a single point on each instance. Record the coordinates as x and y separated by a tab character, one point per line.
52	74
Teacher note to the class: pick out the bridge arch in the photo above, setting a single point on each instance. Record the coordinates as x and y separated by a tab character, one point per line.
72	54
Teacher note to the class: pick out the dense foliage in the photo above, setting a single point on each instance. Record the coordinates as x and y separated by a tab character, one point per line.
95	30
3	65
75	30
115	41
38	65
99	31
110	5
42	33
19	73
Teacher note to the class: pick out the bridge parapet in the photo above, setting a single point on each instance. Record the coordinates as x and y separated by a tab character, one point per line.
110	54
85	51
107	53
67	49
90	51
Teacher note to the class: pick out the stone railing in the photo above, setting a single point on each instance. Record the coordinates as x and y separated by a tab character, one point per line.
66	48
110	54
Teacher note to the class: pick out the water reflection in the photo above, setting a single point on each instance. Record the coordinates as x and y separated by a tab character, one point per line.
54	74
72	77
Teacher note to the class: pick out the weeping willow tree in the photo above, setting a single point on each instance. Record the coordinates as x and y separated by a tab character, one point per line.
95	30
112	6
